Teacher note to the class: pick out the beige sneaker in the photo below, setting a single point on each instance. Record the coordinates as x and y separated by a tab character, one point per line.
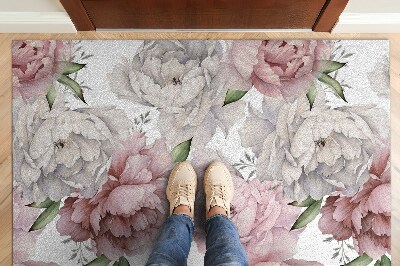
218	186
182	184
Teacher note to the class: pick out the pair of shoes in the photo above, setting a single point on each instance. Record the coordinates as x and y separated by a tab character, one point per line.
218	186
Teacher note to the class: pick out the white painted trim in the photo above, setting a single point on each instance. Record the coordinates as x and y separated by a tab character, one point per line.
205	30
368	23
36	22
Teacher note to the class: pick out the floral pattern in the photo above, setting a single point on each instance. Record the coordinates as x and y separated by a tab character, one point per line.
97	131
129	208
35	64
262	216
59	150
23	240
278	67
314	152
180	79
366	215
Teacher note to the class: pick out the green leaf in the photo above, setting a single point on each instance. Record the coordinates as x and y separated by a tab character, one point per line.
69	67
312	94
121	262
46	216
233	96
305	203
385	261
308	215
333	84
362	260
51	95
73	85
328	66
45	204
181	151
100	261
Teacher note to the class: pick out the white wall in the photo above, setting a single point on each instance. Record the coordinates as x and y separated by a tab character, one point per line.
34	16
372	6
31	6
369	16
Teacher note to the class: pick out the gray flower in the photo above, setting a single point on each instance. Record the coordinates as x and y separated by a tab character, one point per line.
181	79
60	150
314	152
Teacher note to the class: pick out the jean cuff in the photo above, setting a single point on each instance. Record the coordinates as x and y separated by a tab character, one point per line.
184	215
216	215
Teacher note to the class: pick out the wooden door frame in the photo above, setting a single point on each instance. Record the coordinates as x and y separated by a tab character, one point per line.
329	15
325	22
78	15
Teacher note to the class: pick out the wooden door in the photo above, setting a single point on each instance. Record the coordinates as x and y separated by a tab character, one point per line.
318	15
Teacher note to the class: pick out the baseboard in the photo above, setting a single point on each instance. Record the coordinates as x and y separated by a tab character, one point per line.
368	23
36	22
204	30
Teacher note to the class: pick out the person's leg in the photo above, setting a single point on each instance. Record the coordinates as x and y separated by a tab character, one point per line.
173	244
223	243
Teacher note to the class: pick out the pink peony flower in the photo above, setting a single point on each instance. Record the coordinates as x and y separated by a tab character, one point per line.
263	219
35	64
128	211
276	67
261	213
366	215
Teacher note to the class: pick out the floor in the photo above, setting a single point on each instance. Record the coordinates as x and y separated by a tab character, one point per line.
5	111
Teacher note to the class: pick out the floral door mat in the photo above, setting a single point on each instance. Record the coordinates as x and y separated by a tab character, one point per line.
303	126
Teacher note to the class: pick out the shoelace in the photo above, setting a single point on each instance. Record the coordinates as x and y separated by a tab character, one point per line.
218	191
184	191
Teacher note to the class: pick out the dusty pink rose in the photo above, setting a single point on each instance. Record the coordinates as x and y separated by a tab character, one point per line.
35	64
276	67
366	215
128	211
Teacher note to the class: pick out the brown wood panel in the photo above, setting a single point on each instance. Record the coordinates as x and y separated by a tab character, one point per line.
329	15
203	14
78	15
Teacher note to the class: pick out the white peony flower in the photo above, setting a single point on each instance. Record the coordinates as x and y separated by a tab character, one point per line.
59	150
180	79
314	152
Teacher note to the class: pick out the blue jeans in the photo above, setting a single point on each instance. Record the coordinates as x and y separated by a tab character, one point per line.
173	244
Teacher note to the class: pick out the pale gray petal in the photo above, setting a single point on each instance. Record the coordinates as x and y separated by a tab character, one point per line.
254	131
315	186
229	115
152	68
28	174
